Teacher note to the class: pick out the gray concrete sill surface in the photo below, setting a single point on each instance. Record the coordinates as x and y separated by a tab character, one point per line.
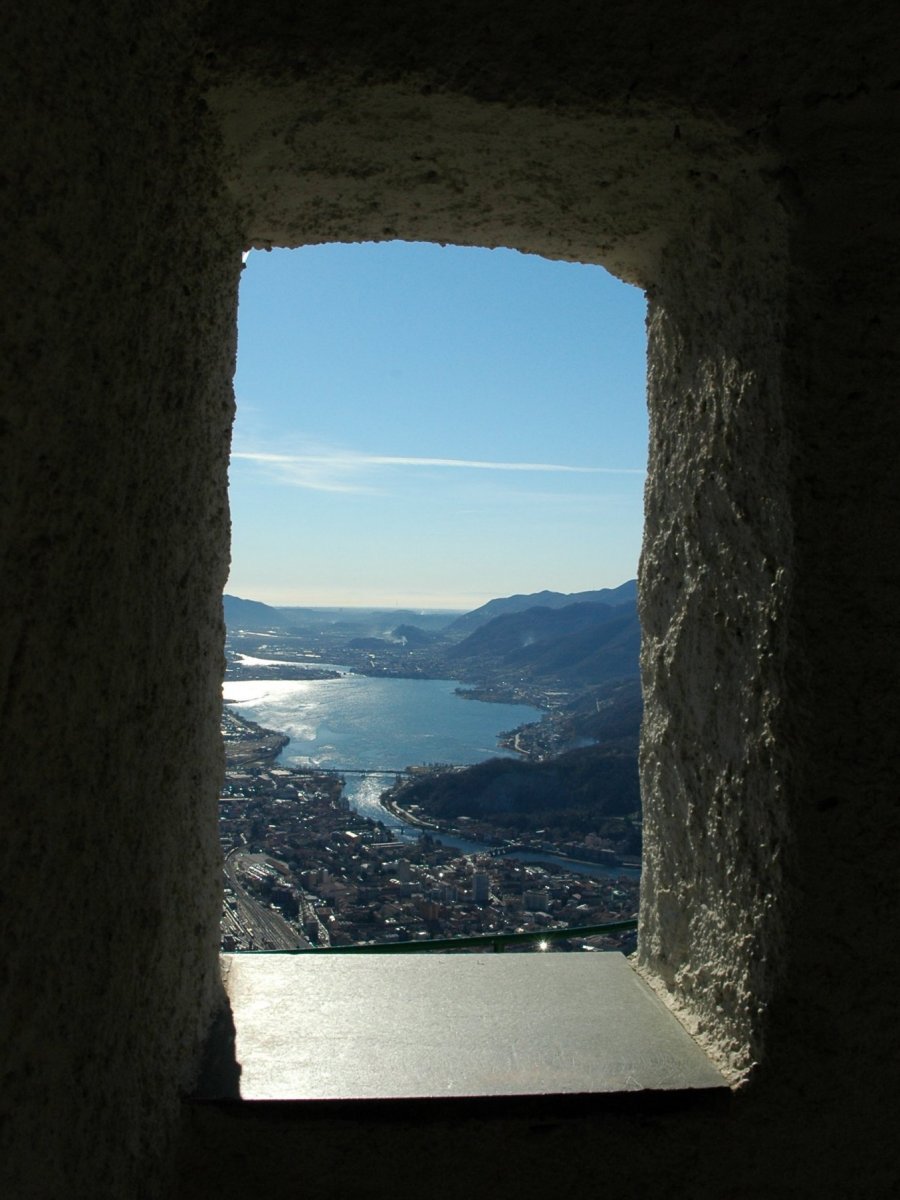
448	1026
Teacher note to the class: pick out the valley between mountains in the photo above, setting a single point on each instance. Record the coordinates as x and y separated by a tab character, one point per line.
574	780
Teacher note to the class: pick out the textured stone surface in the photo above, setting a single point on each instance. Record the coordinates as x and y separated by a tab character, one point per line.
741	167
592	187
119	275
716	578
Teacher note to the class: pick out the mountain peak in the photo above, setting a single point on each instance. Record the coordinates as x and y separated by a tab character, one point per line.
625	593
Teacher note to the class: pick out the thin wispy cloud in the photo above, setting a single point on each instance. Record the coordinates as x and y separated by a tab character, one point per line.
339	470
314	472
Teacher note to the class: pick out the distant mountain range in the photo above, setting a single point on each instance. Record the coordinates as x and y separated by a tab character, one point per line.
252	615
625	593
571	639
580	643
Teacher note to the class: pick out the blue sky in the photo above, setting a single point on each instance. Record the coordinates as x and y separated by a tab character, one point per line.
432	426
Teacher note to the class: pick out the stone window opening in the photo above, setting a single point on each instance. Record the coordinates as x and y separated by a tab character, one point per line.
708	247
742	172
264	1081
585	307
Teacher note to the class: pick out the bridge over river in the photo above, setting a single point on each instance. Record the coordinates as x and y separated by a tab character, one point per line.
378	770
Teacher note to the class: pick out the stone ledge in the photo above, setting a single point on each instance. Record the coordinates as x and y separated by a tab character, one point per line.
452	1026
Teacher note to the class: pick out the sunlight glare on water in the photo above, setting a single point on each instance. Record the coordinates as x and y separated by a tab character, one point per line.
366	723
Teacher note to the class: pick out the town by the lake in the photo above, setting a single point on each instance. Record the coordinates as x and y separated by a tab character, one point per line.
304	870
544	840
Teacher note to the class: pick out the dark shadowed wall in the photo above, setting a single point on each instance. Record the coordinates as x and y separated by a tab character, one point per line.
739	167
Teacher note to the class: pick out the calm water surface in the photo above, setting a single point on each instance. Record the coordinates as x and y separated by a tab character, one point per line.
362	723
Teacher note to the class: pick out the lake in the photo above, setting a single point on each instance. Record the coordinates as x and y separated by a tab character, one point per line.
361	722
367	723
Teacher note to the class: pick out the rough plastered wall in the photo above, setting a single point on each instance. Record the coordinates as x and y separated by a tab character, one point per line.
654	138
716	575
115	367
717	161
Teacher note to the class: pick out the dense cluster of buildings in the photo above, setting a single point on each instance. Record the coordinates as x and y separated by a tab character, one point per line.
294	846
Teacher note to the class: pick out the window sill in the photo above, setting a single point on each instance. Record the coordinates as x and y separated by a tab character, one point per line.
361	1028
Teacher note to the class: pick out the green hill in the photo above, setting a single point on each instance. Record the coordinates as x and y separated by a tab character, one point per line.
579	790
